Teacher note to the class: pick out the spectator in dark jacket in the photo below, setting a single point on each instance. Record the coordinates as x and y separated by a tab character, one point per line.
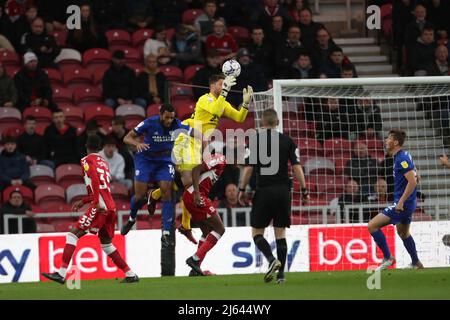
308	28
321	49
351	196
140	14
92	129
333	67
89	35
201	78
438	12
362	168
301	68
331	120
14	28
368	118
16	205
31	144
288	52
33	85
401	16
204	22
61	141
440	65
261	51
422	52
13	166
270	8
150	84
277	31
41	43
186	48
8	92
414	29
119	83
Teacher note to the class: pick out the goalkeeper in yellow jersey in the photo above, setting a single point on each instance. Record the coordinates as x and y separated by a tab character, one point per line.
187	151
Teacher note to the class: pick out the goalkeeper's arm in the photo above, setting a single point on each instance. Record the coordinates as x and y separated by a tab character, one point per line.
239	116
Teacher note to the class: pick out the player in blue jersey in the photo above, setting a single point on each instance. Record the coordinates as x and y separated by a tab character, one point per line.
401	211
153	162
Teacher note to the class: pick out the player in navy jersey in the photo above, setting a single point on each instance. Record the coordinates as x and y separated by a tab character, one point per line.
401	211
153	162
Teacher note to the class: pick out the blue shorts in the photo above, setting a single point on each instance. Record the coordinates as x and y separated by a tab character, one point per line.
150	170
404	217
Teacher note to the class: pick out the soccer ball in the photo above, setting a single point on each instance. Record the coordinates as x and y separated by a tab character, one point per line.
231	68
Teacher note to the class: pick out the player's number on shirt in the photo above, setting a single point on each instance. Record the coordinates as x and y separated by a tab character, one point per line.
105	179
171	170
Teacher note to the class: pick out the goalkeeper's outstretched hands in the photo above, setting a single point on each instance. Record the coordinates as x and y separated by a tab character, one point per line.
247	94
227	83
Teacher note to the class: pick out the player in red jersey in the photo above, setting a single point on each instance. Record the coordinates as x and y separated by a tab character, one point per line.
203	213
99	219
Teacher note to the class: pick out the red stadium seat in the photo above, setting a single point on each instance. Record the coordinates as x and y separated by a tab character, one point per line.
183	108
299	128
54	76
386	20
153	110
95	58
62	95
122	205
103	114
328	183
309	147
63	224
76	192
42	227
42	115
26	192
132	55
240	34
14	131
47	195
373	144
98	73
180	92
10	117
74	77
11	70
226	123
68	58
41	174
190	15
74	115
60	37
190	72
172	73
338	147
119	191
80	129
87	95
137	67
131	113
118	37
9	58
59	207
140	36
68	174
40	128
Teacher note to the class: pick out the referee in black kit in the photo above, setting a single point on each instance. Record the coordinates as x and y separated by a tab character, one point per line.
272	199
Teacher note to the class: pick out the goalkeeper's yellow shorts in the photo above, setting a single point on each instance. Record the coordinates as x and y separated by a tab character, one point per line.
187	152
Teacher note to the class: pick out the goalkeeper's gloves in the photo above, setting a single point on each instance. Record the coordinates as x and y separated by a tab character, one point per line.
247	94
227	83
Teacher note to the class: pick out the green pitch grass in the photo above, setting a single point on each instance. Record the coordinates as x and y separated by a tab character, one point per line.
395	284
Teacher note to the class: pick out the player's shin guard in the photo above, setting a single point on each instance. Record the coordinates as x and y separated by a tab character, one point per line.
282	252
262	244
69	248
381	242
185	217
201	241
167	215
135	205
410	246
115	256
209	243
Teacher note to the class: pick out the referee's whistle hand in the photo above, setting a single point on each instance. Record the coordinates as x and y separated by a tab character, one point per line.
242	198
305	199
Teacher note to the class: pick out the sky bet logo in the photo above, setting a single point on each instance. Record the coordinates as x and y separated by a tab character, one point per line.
239	250
6	257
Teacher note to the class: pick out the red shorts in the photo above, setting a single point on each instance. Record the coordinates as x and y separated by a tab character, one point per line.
198	213
102	222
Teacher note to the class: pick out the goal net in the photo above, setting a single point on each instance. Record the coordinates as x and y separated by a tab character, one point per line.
339	126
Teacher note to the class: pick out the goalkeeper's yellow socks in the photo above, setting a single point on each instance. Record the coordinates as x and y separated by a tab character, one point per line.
185	217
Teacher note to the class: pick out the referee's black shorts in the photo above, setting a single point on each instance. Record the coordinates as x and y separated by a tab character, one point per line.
271	203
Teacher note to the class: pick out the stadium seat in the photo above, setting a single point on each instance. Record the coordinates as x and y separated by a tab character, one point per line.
172	73
103	114
26	192
42	227
386	20
190	15
122	205
14	131
9	117
60	37
299	128
118	37
68	58
309	147
140	36
98	73
340	163
226	123
318	165
170	32
132	55
42	115
373	144
317	218
76	192
62	95
119	191
54	76
63	224
40	128
47	195
328	184
240	34
74	115
96	58
133	114
68	174
179	92
76	77
183	108
59	207
137	67
9	59
190	72
87	95
338	147
11	70
297	218
41	174
153	110
80	129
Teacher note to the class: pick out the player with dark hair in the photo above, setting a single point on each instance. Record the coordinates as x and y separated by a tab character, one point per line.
401	211
272	199
99	219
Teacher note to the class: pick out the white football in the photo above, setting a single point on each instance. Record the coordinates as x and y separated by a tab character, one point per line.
231	68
